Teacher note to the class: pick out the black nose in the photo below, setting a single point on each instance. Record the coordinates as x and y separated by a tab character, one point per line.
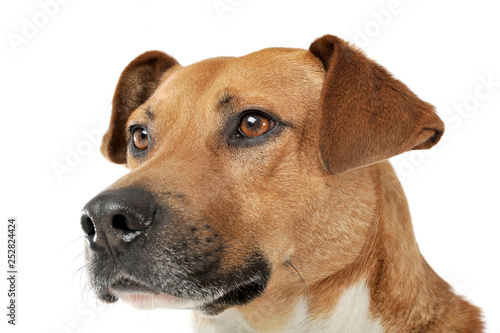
112	220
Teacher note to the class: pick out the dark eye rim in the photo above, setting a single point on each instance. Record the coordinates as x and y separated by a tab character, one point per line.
235	138
136	152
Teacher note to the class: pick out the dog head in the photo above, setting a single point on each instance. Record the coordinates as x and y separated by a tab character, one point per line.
242	168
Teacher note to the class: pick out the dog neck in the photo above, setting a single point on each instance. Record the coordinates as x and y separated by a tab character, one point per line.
390	287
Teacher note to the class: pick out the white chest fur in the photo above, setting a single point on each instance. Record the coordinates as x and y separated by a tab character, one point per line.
230	321
351	315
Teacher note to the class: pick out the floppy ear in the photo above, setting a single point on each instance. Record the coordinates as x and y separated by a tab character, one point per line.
137	83
366	114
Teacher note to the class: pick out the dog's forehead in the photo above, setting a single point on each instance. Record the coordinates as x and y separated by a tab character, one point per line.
274	67
271	78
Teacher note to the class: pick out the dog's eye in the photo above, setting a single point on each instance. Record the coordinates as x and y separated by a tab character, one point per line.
254	124
140	138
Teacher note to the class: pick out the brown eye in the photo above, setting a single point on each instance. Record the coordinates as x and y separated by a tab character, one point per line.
255	124
140	137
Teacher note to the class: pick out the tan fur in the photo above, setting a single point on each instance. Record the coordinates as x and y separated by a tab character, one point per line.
336	226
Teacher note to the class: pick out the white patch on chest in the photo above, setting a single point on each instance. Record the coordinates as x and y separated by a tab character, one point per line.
229	321
351	315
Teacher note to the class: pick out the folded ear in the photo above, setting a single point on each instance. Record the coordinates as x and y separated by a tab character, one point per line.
366	114
137	83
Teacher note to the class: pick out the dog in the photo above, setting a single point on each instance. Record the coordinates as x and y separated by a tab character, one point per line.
260	196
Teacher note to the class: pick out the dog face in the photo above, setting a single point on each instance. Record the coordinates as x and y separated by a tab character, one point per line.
242	168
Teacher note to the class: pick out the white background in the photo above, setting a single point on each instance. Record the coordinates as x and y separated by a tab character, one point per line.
57	85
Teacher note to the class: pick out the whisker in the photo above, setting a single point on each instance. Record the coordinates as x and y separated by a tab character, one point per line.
78	256
79	270
289	263
71	242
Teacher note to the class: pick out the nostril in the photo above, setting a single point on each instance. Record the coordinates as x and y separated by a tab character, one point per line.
131	221
119	222
113	219
87	226
129	230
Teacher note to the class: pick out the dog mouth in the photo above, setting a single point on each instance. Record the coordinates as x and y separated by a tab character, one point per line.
145	297
142	296
237	295
174	280
129	286
124	286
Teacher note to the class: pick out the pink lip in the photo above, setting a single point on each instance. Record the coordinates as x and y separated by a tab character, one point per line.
139	298
151	301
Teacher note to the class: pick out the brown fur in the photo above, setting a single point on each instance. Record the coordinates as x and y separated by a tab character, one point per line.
387	117
316	199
